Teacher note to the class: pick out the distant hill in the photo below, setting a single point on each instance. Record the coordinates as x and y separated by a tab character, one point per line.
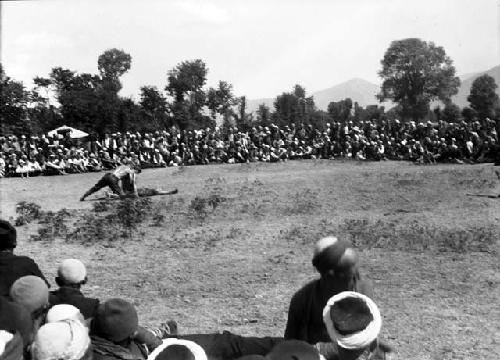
358	90
361	91
461	98
364	92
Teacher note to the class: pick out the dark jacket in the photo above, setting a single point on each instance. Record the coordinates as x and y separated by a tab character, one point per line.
13	267
106	350
14	317
305	314
72	296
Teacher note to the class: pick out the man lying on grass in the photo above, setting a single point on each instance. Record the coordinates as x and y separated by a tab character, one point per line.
353	321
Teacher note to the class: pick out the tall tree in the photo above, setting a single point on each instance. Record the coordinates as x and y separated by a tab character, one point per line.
220	99
112	64
13	105
483	97
185	85
414	73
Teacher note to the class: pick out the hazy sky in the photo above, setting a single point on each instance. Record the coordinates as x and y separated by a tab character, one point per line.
262	47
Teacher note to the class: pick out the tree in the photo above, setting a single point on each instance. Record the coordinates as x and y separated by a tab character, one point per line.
414	73
220	99
340	110
263	115
13	105
154	106
293	107
185	85
451	113
81	99
483	98
112	64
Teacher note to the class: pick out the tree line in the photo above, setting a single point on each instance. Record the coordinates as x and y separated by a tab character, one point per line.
414	74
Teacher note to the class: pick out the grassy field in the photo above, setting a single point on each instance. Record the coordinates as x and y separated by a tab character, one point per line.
231	248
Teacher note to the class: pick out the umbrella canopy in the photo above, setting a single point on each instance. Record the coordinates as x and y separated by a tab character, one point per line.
73	133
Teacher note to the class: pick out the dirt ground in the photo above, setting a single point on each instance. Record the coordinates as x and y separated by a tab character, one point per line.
237	267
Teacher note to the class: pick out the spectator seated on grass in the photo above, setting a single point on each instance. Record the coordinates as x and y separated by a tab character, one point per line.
337	264
15	318
71	275
13	267
62	340
31	293
113	332
353	322
64	312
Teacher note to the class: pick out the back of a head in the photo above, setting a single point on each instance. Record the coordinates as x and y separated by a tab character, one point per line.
293	350
330	253
178	349
16	318
177	352
31	292
63	312
115	320
62	340
72	272
8	235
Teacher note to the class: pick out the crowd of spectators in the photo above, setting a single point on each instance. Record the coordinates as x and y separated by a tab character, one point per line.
427	142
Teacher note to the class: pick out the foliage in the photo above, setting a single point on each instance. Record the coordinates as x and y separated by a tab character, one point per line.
451	113
483	97
27	212
263	115
154	105
131	212
220	99
414	73
112	64
340	110
209	200
293	108
13	105
53	226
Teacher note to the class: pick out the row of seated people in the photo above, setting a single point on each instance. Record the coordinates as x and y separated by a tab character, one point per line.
332	318
368	140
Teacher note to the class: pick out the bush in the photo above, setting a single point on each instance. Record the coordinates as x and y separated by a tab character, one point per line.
27	212
53	226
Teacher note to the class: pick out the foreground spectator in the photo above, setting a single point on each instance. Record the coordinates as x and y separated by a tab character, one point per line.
13	267
177	349
62	340
31	293
113	332
354	322
337	264
14	318
71	275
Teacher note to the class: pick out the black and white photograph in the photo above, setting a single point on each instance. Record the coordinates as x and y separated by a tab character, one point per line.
249	180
